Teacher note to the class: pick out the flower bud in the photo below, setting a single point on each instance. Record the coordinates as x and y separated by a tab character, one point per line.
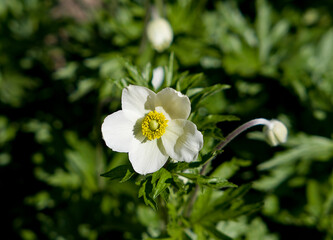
275	132
160	34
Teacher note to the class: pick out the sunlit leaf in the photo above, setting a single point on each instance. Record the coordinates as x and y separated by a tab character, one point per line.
123	172
163	179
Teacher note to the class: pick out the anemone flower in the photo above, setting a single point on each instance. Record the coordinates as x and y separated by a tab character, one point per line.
152	127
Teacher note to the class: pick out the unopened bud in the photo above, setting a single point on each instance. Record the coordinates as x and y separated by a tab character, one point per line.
275	132
159	33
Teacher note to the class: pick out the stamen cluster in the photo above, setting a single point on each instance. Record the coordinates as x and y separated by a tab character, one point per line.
153	125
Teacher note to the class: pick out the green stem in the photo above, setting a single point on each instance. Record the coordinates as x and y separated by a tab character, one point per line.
242	128
220	146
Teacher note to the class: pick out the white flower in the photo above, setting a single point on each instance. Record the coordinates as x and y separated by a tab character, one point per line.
152	127
159	33
275	132
158	77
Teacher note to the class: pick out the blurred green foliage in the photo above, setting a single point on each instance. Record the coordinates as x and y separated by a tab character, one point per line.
62	67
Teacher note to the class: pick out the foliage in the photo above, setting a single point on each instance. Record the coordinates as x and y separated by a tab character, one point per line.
63	66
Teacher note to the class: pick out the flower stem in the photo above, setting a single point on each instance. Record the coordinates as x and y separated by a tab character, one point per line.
240	129
221	145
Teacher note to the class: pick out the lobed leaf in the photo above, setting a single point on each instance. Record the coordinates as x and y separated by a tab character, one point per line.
163	178
145	192
213	182
123	172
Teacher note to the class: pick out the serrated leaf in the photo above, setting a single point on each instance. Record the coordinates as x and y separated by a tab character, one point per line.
129	174
180	166
163	178
202	204
214	182
145	191
123	172
177	166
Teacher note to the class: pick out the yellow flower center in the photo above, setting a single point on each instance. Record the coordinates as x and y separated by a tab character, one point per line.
153	125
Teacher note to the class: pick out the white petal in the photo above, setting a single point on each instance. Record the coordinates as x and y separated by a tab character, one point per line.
117	131
147	157
182	141
136	101
177	105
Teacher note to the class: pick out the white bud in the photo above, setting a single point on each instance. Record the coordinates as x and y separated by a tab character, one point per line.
158	77
275	132
159	33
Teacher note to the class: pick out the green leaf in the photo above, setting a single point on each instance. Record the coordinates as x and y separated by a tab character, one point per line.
14	87
7	130
147	73
229	168
145	191
213	119
232	194
163	178
136	75
279	31
213	182
67	72
123	172
177	166
216	233
180	166
315	201
169	71
257	229
184	82
263	24
212	206
84	86
328	204
202	93
278	175
237	209
307	148
245	63
325	53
